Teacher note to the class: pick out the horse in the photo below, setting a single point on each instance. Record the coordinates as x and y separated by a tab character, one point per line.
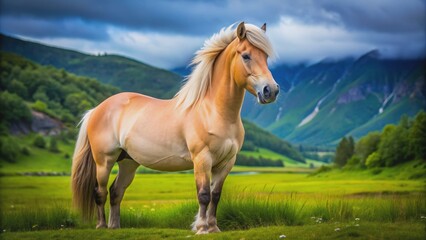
200	128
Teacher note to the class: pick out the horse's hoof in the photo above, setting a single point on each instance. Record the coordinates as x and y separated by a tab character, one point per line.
202	231
114	226
214	229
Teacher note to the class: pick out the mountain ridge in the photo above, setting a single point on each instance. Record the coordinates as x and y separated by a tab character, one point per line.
126	73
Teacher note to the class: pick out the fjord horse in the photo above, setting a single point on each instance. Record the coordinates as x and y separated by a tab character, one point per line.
199	128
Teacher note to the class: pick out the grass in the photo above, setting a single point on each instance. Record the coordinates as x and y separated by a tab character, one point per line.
159	188
249	201
237	211
365	230
39	160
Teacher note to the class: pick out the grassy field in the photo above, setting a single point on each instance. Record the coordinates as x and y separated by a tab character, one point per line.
257	203
163	205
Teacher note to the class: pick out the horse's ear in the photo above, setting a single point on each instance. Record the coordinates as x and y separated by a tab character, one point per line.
263	27
241	31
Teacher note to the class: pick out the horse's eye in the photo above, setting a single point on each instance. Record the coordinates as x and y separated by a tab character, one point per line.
246	57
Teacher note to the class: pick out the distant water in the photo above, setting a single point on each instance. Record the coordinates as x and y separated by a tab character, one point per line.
243	173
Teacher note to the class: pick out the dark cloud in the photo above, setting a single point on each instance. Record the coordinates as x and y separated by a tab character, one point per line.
389	16
39	28
393	26
201	17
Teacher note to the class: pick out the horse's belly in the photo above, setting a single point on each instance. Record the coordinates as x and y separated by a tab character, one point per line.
161	157
169	163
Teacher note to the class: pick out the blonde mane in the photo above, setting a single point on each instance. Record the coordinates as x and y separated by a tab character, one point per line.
198	82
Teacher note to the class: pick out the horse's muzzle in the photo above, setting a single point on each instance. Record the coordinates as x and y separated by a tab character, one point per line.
268	94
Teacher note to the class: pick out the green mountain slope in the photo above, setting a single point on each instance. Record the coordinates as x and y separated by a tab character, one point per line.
329	100
125	73
55	92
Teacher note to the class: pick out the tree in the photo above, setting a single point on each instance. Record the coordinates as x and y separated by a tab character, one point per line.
366	146
351	145
417	136
394	145
53	145
374	160
77	103
344	151
9	149
18	88
13	108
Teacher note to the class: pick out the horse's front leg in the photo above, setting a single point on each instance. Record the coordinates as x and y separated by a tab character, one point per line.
202	173
219	174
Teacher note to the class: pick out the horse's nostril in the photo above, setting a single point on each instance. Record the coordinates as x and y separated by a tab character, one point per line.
267	91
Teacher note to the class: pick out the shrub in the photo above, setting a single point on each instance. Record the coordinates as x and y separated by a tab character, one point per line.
9	149
39	142
322	169
374	160
53	145
39	106
26	151
353	161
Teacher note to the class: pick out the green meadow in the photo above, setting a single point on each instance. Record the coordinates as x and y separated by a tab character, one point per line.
257	202
254	205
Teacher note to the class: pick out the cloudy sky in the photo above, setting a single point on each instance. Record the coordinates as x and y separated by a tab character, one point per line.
165	33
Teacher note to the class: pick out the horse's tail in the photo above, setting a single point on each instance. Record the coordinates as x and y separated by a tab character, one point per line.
83	173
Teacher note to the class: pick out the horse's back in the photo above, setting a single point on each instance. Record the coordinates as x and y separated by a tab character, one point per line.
106	119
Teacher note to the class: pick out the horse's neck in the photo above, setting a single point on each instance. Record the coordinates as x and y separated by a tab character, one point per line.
224	93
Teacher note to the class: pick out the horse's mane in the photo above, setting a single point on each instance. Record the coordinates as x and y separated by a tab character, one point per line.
197	83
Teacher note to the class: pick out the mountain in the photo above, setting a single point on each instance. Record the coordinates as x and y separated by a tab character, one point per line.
331	99
125	73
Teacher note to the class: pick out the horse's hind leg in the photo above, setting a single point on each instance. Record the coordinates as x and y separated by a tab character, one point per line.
126	173
104	164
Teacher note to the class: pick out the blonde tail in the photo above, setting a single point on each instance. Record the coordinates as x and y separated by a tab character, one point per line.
83	173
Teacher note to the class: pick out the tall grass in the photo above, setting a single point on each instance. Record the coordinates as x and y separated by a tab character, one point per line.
246	209
241	210
36	218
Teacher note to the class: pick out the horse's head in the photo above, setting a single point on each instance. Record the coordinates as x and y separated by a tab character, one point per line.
251	63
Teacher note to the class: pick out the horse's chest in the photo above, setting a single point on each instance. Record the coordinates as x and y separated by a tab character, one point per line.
226	145
224	150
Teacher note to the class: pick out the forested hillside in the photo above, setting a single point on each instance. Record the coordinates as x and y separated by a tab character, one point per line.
125	73
26	85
